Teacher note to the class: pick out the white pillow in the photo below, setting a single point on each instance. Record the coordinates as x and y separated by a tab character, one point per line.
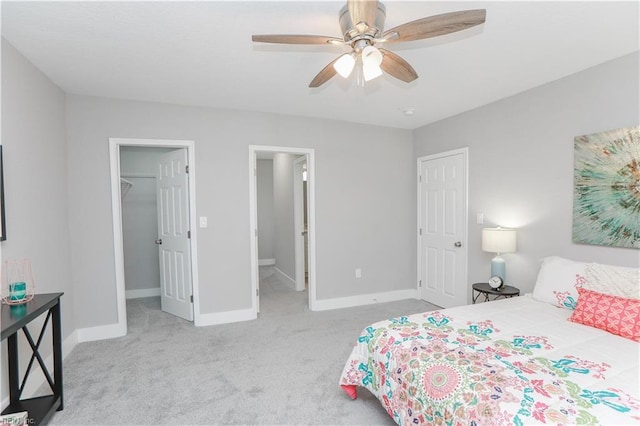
557	281
613	280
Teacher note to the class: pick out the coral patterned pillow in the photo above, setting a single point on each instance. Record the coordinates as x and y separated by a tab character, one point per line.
614	314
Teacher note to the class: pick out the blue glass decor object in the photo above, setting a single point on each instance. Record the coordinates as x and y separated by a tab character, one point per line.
17	282
17	291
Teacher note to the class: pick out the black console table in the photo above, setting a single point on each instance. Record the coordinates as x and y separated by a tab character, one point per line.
14	319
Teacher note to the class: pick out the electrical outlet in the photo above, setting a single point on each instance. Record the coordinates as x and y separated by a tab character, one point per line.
479	218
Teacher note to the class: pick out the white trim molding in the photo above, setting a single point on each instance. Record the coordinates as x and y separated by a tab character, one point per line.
101	332
266	262
142	292
311	218
291	283
227	317
120	328
365	299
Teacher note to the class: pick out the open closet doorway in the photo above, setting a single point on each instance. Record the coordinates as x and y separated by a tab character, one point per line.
153	204
301	222
282	220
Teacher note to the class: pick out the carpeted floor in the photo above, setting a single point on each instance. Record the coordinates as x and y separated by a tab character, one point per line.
282	368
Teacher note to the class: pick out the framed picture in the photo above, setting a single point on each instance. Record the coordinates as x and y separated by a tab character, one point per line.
606	202
3	229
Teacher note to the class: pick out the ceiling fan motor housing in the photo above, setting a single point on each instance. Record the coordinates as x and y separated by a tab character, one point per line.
350	30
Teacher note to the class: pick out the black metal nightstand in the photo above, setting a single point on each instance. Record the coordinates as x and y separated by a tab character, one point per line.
485	290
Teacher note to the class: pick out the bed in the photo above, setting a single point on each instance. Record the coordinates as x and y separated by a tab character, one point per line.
522	360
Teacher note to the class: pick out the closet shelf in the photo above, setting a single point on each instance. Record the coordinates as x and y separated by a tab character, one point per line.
125	186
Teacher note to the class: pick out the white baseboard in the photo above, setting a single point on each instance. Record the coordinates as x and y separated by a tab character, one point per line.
225	317
69	343
286	278
266	262
101	332
116	330
142	292
364	299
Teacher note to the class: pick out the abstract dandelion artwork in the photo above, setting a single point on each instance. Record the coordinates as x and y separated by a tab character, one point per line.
606	197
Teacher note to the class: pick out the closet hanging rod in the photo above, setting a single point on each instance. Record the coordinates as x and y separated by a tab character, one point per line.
138	175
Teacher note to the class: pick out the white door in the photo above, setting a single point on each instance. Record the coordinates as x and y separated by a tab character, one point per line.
300	229
173	234
442	213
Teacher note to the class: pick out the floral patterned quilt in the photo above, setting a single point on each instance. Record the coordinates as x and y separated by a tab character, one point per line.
514	361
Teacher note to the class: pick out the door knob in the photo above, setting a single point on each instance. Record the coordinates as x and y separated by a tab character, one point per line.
159	241
458	244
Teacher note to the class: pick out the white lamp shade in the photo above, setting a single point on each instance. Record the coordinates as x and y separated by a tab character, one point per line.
499	240
344	65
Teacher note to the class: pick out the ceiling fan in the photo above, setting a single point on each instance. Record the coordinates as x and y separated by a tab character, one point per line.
362	24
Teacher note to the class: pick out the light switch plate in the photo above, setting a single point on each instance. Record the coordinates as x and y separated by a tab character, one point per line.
203	222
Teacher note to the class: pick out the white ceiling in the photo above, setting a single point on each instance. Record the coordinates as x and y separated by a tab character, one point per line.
200	53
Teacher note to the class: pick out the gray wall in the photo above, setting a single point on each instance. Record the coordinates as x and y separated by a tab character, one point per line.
365	197
521	163
140	218
266	220
521	157
283	213
35	180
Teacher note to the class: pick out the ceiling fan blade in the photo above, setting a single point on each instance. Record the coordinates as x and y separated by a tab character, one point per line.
295	39
362	11
397	67
436	25
325	75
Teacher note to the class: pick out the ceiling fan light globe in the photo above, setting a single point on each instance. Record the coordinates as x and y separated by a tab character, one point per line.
344	65
371	55
371	71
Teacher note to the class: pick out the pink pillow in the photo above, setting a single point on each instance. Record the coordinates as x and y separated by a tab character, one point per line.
614	314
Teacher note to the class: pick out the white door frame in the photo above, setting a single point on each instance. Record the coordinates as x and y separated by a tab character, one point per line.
298	219
116	207
464	272
253	217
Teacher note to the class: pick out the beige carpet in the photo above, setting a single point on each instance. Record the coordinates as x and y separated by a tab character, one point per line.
282	368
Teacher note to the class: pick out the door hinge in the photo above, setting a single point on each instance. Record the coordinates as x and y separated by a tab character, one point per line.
257	292
189	234
192	298
420	231
186	168
419	178
420	283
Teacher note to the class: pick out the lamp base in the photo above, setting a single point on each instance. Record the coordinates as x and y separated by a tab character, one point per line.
498	268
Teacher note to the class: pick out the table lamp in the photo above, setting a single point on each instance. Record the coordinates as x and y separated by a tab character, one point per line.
498	240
